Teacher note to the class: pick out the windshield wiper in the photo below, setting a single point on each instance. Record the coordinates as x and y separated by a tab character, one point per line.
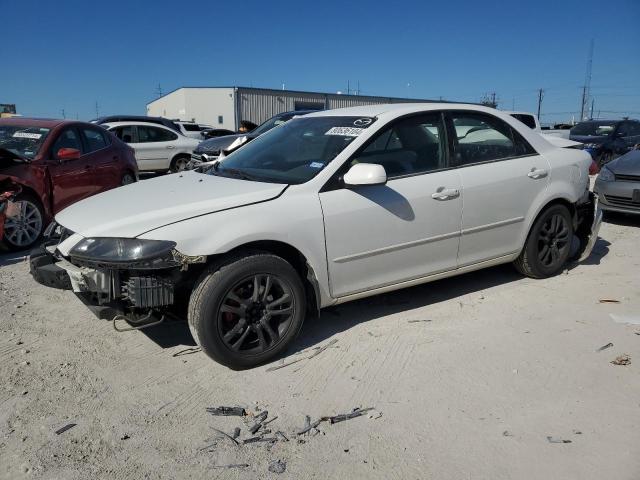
234	172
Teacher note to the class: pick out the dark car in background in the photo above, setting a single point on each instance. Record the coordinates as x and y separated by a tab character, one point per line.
210	149
618	184
607	139
216	132
54	163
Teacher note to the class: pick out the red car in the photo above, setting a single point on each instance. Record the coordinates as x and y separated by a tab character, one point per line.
56	163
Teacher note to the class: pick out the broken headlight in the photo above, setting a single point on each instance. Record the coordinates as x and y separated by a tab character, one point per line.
130	253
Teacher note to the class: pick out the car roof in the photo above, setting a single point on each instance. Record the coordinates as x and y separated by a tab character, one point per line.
36	122
147	124
397	109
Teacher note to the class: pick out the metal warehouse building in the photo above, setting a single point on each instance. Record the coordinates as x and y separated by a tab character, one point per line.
225	107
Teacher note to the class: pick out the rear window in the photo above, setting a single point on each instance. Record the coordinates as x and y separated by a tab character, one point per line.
593	129
191	127
528	120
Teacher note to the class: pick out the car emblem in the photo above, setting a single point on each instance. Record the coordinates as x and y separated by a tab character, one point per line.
362	122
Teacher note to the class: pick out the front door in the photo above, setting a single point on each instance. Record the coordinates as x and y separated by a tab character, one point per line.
407	229
73	179
502	177
155	147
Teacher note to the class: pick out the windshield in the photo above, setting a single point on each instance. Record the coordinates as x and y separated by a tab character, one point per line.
593	129
269	124
22	140
295	152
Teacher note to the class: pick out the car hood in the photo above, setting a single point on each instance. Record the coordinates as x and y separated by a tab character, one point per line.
628	164
215	145
140	207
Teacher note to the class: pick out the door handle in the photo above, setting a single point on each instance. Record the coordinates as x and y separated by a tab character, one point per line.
445	194
170	147
537	173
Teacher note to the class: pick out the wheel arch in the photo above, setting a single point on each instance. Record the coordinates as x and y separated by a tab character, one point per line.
176	157
559	200
294	257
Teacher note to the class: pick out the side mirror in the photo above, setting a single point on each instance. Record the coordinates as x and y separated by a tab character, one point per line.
68	154
365	174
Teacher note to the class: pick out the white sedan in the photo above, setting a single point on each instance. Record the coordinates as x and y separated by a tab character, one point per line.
157	148
327	208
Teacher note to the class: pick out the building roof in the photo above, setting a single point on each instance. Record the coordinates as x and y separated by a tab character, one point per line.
299	92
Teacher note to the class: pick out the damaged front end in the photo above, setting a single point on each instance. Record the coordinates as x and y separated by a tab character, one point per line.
133	277
587	221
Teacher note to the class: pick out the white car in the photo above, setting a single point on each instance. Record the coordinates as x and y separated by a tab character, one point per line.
157	148
327	208
192	130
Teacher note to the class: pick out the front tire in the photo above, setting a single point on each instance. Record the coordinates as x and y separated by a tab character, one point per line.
179	164
247	310
24	230
548	245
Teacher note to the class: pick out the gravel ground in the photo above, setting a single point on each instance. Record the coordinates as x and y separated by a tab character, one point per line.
484	376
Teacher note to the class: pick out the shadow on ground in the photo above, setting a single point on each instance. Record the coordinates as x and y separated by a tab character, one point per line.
11	258
174	331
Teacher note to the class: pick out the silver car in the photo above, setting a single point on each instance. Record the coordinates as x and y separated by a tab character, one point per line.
618	184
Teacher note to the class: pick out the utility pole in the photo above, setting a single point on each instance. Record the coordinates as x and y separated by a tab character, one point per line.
540	97
348	87
584	102
586	89
593	100
97	110
63	114
159	90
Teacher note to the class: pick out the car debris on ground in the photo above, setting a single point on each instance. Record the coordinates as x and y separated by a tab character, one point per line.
227	411
68	426
558	440
622	360
604	347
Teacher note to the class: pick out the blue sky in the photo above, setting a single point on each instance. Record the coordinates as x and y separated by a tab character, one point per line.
69	54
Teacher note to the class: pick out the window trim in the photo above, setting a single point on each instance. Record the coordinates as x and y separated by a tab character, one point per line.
335	181
85	141
54	154
158	127
452	133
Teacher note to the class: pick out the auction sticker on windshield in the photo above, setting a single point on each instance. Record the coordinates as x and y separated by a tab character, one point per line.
34	136
345	131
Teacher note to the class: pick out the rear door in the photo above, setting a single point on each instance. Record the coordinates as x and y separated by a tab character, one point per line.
409	228
155	147
72	180
502	179
102	157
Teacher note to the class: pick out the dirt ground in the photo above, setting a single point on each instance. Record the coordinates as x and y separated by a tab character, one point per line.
484	376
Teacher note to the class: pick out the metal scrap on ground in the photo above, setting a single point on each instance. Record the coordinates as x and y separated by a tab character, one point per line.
227	411
317	352
557	440
604	347
622	360
233	465
608	300
69	426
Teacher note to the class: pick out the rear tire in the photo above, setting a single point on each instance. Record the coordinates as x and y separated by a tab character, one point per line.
24	231
179	163
247	309
548	245
127	179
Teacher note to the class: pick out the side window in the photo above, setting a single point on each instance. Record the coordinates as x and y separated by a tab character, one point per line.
409	146
528	120
483	138
124	133
634	129
68	139
154	134
94	139
629	129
